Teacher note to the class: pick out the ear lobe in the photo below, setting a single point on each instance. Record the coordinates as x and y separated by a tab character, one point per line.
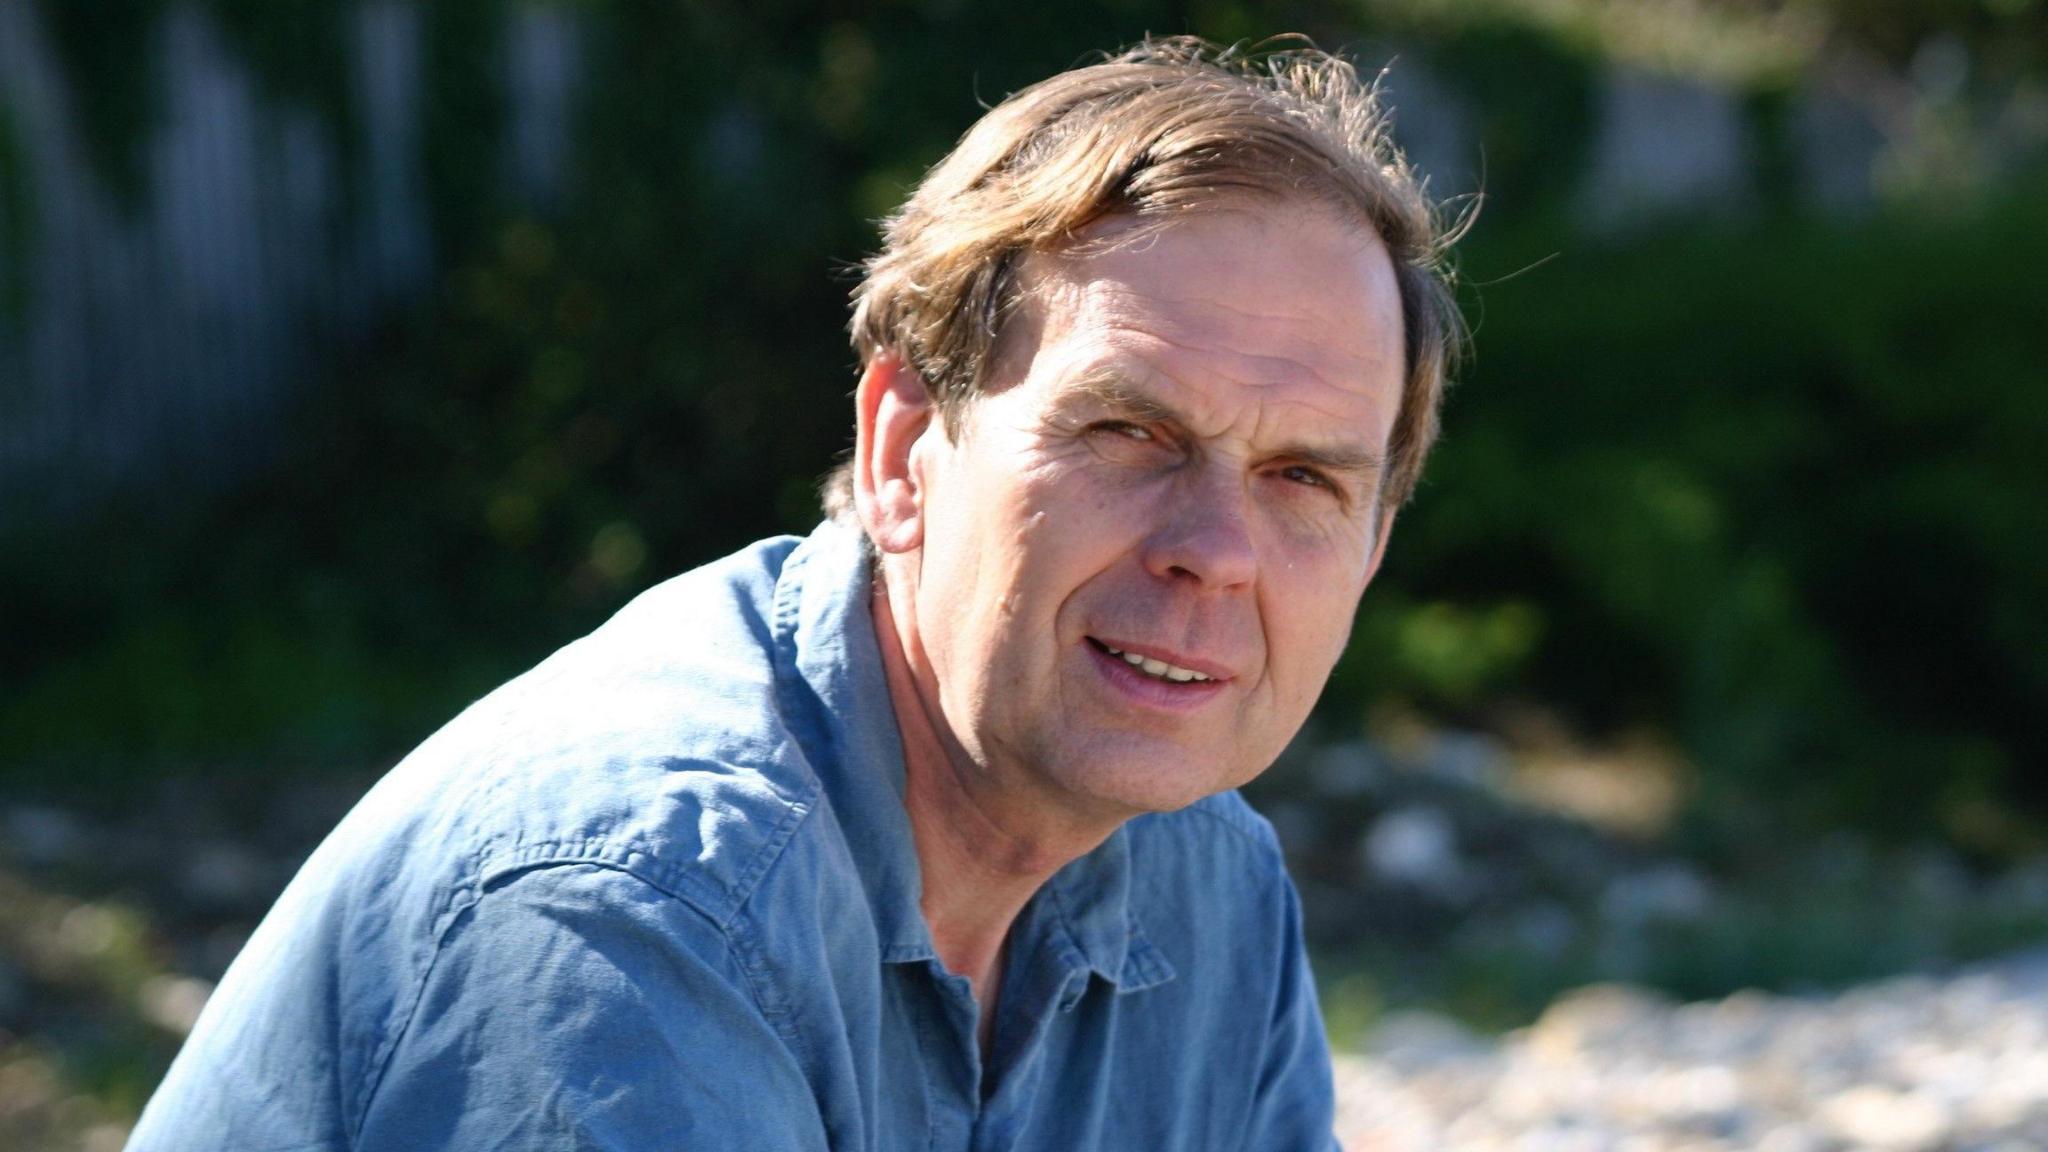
892	410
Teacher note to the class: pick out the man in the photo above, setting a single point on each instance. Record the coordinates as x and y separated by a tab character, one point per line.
918	833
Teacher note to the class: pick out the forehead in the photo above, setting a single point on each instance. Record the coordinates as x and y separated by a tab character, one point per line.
1272	317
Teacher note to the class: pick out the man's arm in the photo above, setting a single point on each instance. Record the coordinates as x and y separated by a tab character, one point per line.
576	1006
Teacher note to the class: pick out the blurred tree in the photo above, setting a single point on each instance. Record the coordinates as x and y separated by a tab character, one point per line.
1771	482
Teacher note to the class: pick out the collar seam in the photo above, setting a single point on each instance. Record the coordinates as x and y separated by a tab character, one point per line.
1090	951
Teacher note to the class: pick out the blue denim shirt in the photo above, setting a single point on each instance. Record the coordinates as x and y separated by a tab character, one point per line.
661	893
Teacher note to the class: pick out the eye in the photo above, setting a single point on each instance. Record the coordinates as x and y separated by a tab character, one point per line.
1315	484
1302	474
1123	428
1131	444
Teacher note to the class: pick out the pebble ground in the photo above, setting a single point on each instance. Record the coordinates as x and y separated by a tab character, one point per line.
1912	1064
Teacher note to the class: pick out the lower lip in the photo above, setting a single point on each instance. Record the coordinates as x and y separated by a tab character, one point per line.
1150	691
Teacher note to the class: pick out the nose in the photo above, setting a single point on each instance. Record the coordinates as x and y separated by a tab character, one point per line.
1204	537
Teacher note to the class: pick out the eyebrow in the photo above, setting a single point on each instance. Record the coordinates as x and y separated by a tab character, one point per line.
1115	390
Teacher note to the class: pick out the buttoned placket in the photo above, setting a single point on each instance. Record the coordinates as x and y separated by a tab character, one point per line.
1037	994
980	1107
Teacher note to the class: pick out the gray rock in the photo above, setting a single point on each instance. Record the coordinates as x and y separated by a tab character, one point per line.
1911	1064
1416	1040
1416	846
1471	760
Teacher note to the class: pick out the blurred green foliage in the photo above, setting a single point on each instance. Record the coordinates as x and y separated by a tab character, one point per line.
1773	483
1778	487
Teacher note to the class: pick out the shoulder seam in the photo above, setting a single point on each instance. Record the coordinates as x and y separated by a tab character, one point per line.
715	901
468	896
1267	845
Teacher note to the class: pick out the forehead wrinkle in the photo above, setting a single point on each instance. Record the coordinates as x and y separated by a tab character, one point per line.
1120	386
1162	337
1096	284
1204	310
1182	309
1265	389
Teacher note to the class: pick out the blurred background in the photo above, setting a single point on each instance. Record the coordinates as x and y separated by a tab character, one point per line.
353	356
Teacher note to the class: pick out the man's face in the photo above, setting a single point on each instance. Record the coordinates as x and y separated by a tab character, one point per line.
1140	557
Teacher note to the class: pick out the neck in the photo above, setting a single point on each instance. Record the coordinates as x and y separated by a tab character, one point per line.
983	849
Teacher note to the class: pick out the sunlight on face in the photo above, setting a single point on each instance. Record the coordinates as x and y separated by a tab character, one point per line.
1141	556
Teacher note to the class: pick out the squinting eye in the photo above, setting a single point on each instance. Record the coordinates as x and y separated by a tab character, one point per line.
1125	429
1310	476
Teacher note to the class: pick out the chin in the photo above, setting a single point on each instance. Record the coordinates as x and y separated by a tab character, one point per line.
1154	780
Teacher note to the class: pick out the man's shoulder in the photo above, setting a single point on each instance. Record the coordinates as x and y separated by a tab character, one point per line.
1216	862
656	745
646	775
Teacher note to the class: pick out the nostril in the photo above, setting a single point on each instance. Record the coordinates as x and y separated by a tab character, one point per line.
1209	561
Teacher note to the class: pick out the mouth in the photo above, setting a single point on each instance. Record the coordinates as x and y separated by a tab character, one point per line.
1153	667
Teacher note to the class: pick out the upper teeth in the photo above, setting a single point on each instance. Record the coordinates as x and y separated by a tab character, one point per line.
1158	668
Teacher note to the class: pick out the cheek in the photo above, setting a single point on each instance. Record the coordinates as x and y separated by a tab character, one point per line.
1018	547
1307	631
1063	519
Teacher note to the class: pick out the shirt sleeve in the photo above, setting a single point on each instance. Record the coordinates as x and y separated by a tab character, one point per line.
1295	1107
579	1007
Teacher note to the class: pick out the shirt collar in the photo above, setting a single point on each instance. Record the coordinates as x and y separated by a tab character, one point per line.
1091	902
825	632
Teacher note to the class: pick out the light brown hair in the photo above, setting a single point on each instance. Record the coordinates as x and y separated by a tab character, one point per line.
1167	126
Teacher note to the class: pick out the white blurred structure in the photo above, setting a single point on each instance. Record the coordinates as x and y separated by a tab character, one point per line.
159	338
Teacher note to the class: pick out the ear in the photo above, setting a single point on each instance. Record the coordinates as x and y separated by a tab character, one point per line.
892	411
